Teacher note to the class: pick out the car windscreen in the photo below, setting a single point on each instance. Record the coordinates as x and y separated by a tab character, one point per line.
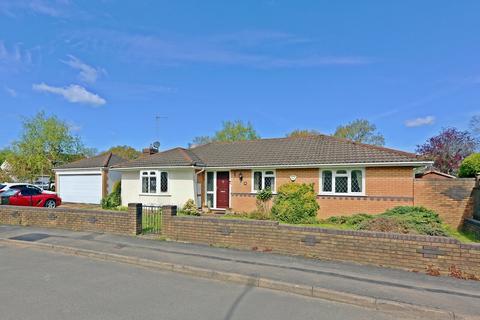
2	186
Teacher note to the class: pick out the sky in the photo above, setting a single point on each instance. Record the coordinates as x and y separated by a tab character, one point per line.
133	72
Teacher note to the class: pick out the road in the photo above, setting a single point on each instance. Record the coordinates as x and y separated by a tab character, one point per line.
46	285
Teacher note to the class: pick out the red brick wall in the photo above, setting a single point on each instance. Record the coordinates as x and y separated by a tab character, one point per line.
409	252
452	199
386	187
128	223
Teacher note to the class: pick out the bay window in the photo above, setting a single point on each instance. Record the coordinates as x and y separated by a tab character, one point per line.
263	179
342	181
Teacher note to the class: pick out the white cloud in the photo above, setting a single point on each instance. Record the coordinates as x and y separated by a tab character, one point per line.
88	73
73	93
14	55
10	91
418	122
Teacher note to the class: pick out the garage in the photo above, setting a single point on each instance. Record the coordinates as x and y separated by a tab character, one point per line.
80	188
87	180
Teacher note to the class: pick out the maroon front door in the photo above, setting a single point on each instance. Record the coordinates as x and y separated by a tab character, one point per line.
223	189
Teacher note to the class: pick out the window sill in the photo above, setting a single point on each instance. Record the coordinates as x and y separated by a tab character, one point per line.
155	194
343	194
256	192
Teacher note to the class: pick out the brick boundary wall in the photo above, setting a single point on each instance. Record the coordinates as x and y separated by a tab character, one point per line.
452	199
408	252
121	222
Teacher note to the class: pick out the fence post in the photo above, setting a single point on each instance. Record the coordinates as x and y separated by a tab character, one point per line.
135	214
167	213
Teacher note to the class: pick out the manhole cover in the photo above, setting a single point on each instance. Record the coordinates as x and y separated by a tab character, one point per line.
32	237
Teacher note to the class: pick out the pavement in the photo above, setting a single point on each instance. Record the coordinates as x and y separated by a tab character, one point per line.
383	288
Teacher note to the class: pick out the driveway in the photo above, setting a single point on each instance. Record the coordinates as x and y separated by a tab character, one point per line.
44	285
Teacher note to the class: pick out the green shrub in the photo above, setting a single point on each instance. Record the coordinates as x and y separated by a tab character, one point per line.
114	199
190	208
470	166
353	220
406	219
295	203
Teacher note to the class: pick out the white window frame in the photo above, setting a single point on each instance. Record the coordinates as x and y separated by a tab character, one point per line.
274	175
349	182
157	174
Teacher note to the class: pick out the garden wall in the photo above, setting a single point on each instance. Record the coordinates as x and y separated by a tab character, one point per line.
118	222
452	199
410	252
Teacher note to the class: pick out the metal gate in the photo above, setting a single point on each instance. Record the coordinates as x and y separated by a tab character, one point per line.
151	219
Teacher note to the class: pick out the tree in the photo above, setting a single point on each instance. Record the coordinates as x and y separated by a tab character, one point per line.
470	166
236	131
4	154
200	140
360	130
475	125
303	133
448	149
44	143
231	131
125	152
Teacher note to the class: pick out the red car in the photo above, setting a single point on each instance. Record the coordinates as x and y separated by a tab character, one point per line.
30	196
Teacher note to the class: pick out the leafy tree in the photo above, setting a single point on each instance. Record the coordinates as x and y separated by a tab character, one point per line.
236	131
125	152
44	143
4	154
360	130
448	149
470	166
303	133
200	140
231	131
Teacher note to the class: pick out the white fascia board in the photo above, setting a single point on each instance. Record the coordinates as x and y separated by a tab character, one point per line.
155	168
62	172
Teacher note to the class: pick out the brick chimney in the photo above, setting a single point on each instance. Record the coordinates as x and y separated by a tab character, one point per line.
149	151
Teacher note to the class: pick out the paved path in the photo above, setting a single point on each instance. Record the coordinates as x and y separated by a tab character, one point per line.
450	294
39	285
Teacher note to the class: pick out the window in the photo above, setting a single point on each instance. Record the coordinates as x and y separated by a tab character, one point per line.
342	181
164	182
151	182
263	180
29	191
211	189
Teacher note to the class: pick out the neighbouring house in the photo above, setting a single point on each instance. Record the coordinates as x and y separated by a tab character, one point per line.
348	177
432	173
87	180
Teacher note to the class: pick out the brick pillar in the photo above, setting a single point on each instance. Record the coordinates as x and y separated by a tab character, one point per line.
168	212
135	215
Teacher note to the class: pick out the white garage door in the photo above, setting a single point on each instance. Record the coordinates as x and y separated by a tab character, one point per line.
81	188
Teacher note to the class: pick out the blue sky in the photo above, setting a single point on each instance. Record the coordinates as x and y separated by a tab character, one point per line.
108	68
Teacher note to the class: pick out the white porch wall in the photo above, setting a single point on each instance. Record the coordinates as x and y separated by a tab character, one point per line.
181	188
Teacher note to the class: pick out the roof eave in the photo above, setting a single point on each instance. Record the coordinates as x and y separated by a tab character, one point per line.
331	165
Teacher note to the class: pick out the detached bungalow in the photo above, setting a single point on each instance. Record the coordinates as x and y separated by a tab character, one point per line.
87	180
349	177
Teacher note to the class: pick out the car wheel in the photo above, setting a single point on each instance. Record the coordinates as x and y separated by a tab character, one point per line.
50	204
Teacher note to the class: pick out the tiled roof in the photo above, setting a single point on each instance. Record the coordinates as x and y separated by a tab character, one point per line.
101	161
173	157
296	151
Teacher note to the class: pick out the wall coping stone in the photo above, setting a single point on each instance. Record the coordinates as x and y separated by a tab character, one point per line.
67	210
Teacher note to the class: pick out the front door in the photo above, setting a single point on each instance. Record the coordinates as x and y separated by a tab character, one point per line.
223	189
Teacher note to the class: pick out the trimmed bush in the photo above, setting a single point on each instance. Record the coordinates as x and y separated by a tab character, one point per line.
295	203
470	166
114	199
352	221
189	208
